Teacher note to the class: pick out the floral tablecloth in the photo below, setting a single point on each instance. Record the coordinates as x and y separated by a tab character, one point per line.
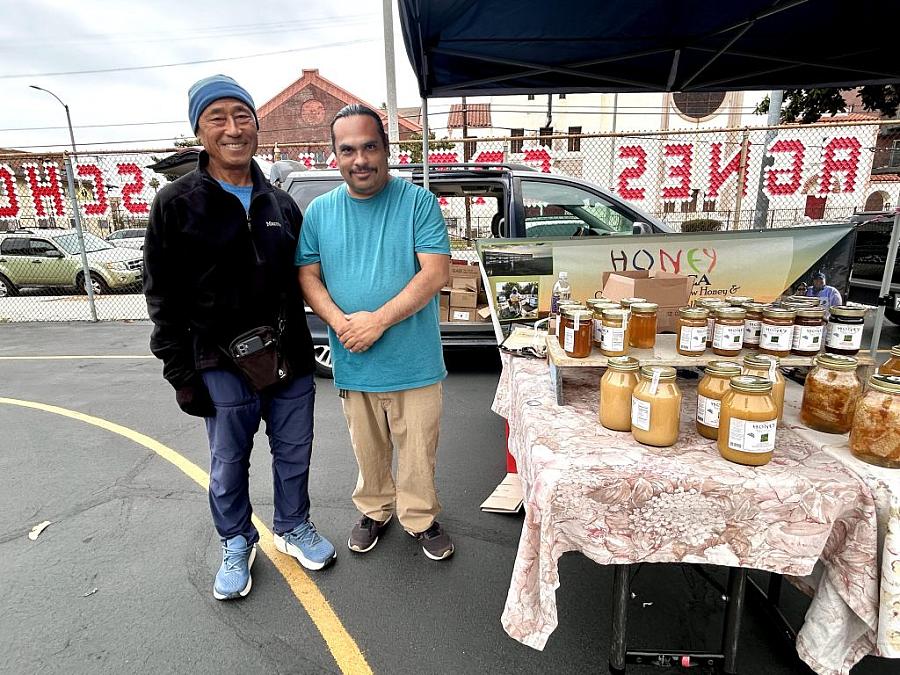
597	491
884	485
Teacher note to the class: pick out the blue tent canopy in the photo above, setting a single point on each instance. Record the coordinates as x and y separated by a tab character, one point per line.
483	47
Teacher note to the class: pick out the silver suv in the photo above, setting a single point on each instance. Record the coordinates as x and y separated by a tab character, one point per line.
49	258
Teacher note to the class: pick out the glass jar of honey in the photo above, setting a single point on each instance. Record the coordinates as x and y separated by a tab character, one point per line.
656	407
711	304
809	330
692	331
598	306
642	325
737	300
768	368
613	333
753	324
710	390
875	434
578	328
845	329
777	331
616	387
557	321
728	338
830	394
748	421
892	365
626	304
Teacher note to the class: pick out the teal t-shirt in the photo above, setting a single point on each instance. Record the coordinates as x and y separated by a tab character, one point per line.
367	252
242	192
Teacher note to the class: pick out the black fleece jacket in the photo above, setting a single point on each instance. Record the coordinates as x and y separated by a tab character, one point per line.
212	271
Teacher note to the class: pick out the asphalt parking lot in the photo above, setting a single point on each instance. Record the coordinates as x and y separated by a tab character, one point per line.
121	580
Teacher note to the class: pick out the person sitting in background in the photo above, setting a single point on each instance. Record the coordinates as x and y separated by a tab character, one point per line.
828	296
801	289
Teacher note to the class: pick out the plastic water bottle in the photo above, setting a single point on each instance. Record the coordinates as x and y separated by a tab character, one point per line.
562	292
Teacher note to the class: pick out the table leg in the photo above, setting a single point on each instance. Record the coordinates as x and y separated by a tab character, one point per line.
618	644
737	581
774	593
556	378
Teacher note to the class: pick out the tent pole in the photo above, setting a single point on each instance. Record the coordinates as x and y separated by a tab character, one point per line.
886	283
425	182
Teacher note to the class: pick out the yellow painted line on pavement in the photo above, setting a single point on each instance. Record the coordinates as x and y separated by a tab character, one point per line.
343	648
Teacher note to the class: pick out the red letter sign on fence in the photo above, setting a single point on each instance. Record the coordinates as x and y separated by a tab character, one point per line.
99	205
135	187
832	165
795	173
11	208
43	190
638	154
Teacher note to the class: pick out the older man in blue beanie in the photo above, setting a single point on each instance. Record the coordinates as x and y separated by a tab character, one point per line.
218	272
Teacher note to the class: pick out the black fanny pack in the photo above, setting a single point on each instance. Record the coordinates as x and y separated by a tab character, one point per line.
257	354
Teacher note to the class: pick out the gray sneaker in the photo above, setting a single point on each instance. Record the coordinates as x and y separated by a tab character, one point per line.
365	533
435	542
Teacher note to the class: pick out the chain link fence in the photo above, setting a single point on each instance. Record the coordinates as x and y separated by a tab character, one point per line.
703	179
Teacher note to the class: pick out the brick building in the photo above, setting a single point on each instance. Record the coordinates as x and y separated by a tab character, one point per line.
298	118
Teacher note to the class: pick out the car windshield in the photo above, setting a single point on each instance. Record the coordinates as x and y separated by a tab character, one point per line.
69	243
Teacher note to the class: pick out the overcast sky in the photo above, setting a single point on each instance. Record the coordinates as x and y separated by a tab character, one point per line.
342	38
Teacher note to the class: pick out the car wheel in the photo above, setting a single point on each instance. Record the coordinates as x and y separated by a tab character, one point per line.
7	290
100	286
323	361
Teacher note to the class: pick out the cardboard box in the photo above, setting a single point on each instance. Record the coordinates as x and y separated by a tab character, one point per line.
669	291
444	306
463	299
484	313
506	497
463	314
459	271
464	284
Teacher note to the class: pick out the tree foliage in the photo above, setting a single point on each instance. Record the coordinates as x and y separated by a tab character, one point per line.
414	146
809	105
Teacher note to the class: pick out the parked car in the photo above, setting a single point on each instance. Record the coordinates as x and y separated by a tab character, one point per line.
526	203
873	234
131	237
50	258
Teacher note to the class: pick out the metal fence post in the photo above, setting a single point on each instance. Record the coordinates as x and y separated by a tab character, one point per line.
742	176
88	284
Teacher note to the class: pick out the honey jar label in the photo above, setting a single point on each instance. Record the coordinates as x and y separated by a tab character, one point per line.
845	336
613	339
751	331
598	331
640	414
708	411
807	338
728	337
693	339
776	337
747	436
569	341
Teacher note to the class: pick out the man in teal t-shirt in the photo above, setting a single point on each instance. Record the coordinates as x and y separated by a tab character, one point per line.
373	254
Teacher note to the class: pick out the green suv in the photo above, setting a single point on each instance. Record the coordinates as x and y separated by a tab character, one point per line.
46	258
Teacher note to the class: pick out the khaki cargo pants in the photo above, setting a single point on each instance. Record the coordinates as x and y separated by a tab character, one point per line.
410	421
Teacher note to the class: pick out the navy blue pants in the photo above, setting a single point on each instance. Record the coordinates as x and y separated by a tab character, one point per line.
288	413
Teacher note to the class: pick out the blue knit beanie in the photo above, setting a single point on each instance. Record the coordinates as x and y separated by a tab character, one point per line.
203	92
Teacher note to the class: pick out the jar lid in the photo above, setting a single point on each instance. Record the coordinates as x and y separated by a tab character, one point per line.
755	306
849	312
591	303
895	351
627	302
731	312
803	299
722	368
579	313
614	313
694	312
811	312
665	372
888	384
761	361
712	302
837	362
622	363
751	384
779	313
601	307
644	307
738	300
563	306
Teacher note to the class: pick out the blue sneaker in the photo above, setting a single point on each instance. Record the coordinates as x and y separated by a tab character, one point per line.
233	578
309	547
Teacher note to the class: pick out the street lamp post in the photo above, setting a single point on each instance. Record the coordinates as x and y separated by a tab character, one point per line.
70	177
